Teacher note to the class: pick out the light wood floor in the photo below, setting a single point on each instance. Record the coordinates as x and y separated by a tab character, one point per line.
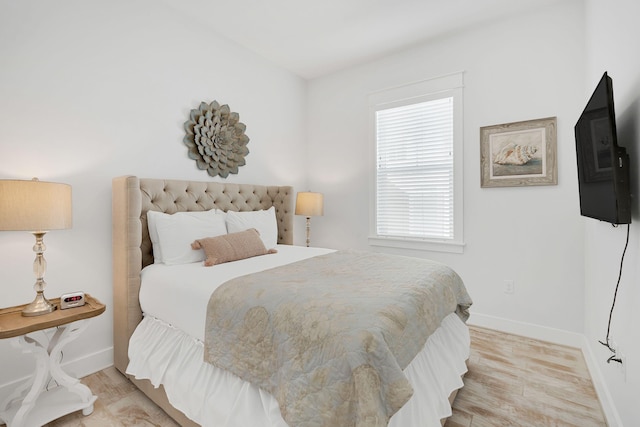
512	381
516	381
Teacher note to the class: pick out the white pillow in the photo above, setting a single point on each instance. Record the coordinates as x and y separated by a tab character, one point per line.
153	235
263	221
171	235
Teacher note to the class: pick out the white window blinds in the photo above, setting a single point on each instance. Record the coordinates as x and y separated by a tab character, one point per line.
414	171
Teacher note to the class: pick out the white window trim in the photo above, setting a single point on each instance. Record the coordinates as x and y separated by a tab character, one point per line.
451	84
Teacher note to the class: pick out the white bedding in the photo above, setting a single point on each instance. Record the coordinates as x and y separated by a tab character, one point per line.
167	349
166	295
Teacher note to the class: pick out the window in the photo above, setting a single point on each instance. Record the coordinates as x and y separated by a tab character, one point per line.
417	184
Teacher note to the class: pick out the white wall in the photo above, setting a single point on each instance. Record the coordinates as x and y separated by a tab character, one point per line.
518	69
94	90
612	43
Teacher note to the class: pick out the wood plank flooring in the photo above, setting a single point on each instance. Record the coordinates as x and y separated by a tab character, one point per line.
512	381
516	381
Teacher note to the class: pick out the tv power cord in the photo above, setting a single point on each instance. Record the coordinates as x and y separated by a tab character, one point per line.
614	357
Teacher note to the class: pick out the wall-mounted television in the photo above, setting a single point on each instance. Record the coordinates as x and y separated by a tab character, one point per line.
603	166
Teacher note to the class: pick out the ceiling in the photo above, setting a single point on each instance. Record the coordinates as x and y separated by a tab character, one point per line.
312	39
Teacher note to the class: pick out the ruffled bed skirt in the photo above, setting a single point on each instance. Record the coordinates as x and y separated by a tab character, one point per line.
215	398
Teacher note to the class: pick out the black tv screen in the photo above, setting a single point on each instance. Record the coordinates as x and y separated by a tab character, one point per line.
603	166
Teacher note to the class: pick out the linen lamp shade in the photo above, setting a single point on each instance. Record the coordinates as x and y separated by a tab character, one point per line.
34	205
309	204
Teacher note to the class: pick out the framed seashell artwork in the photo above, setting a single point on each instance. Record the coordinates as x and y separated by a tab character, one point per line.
519	154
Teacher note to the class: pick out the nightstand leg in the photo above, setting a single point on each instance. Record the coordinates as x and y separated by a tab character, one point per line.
31	345
48	355
64	335
20	391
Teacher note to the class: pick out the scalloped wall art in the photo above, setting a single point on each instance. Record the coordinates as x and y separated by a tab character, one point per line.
216	139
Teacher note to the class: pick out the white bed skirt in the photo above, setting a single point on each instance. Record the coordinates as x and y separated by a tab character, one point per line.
215	398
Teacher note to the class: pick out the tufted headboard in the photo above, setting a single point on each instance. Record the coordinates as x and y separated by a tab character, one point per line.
133	197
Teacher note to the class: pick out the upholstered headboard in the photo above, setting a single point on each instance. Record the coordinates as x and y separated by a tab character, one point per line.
132	250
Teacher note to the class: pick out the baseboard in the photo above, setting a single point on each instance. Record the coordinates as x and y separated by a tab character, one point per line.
77	368
610	412
562	337
90	363
530	330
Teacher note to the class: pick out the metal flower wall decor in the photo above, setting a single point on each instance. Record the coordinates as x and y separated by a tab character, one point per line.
216	140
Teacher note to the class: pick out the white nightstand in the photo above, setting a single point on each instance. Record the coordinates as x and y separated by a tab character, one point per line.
35	403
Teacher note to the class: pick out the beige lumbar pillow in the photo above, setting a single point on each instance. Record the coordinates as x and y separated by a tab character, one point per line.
232	247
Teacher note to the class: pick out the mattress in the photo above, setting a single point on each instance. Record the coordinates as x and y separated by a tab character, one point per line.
167	348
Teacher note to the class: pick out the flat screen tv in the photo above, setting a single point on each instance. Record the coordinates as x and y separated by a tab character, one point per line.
603	166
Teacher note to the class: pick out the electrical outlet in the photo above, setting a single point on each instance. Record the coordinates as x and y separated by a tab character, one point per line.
509	287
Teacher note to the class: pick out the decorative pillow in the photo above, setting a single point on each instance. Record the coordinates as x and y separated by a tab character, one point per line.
174	234
232	247
263	221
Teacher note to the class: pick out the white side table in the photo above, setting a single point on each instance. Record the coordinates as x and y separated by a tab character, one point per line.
34	403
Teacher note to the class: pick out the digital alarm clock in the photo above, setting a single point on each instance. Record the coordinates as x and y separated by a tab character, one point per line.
73	299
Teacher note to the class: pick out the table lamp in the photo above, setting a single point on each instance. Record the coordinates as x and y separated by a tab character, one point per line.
309	204
38	207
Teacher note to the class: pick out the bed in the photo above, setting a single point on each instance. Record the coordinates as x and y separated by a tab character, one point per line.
162	350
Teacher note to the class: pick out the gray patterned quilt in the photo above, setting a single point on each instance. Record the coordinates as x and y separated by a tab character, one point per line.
329	336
